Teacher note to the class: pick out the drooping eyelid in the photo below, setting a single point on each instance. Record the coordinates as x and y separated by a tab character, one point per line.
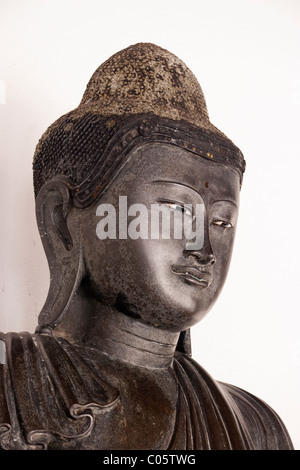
170	201
220	222
177	203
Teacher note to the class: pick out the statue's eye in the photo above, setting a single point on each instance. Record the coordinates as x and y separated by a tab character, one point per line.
179	207
221	223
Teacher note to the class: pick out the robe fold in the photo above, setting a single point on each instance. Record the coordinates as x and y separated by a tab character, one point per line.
49	393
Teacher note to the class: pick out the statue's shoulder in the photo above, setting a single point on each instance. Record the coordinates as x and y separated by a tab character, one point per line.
47	390
233	418
265	427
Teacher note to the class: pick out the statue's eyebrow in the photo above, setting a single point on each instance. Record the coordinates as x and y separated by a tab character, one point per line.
193	189
226	200
178	184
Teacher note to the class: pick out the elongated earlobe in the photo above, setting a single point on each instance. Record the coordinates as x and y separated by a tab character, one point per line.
64	253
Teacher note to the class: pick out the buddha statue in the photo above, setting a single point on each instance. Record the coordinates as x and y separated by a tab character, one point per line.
109	365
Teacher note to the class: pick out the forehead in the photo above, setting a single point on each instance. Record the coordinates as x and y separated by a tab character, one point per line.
165	162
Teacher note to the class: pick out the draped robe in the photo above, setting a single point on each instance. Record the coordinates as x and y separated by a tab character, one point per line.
50	393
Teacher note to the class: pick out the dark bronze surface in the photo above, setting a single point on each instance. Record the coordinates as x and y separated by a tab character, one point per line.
109	366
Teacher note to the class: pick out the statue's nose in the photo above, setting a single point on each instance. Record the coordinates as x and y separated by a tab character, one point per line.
203	257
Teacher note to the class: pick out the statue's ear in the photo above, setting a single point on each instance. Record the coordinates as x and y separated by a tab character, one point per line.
64	253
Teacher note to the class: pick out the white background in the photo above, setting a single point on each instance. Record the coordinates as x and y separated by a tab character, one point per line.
246	57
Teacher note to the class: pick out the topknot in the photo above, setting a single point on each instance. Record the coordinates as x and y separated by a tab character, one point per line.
145	78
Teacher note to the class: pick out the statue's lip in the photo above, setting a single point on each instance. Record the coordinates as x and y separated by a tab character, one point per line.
193	275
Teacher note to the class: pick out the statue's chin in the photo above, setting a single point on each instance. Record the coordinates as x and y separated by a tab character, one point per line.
174	321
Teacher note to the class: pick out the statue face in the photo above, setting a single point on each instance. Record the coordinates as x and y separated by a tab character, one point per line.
167	278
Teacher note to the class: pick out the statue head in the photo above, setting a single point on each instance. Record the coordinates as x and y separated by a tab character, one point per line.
140	141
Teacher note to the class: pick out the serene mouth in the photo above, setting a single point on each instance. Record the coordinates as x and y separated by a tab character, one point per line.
193	275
